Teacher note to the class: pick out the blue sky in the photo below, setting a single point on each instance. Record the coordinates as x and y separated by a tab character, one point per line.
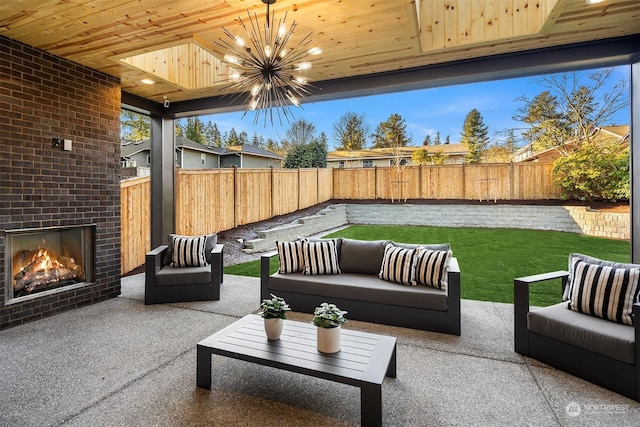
425	111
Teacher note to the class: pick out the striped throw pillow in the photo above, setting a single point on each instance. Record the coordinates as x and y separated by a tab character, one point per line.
290	256
188	251
431	268
320	257
604	291
398	265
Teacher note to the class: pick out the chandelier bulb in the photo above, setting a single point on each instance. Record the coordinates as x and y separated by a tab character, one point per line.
300	79
303	66
315	50
292	98
239	41
256	89
267	51
232	59
254	103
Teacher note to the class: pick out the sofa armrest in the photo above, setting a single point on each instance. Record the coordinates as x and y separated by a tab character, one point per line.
453	295
153	264
521	305
265	272
217	265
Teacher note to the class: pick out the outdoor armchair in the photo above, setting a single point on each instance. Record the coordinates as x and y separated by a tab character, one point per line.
175	279
599	350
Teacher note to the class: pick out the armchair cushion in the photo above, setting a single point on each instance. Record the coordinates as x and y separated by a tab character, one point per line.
603	291
188	252
588	332
171	276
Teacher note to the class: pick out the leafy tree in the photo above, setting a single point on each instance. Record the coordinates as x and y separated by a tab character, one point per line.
350	132
301	132
427	140
571	108
594	171
311	155
421	157
391	133
134	126
436	140
474	136
549	126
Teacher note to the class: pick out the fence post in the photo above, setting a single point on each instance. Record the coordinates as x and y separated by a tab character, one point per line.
235	196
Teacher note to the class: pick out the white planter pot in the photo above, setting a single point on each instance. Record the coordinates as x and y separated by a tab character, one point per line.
273	328
328	339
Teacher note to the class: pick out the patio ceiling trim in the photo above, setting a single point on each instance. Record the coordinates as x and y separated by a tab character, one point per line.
597	54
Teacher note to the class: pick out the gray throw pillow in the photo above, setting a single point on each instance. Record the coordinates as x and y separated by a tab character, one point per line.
430	246
361	256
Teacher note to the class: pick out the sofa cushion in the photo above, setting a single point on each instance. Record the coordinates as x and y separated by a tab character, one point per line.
361	287
588	332
209	244
603	291
170	276
431	268
361	256
398	265
591	260
320	257
431	246
188	252
290	256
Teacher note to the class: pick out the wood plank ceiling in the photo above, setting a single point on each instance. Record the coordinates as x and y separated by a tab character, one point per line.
173	42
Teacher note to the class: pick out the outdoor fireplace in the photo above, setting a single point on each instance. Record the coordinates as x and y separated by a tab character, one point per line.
44	261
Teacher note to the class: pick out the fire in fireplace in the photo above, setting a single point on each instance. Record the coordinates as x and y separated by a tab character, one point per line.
47	259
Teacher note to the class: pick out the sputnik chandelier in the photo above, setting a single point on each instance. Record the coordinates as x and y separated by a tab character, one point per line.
269	73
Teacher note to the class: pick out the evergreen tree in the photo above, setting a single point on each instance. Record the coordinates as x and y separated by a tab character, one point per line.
243	138
350	132
475	136
194	130
233	139
391	133
209	134
272	146
436	140
427	140
548	125
322	139
447	140
217	137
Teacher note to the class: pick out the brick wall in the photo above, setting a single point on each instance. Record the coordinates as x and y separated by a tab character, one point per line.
43	97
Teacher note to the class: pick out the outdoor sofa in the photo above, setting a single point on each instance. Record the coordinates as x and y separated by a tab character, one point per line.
348	273
572	337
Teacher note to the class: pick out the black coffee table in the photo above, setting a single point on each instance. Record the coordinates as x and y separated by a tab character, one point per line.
363	360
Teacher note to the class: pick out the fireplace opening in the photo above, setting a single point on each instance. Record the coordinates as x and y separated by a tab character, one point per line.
48	260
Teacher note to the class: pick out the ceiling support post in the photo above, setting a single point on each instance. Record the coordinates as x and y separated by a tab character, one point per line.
162	179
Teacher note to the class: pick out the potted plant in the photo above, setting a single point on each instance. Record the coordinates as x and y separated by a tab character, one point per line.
274	311
328	318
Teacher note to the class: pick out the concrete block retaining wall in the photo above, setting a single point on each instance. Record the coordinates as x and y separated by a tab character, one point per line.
573	219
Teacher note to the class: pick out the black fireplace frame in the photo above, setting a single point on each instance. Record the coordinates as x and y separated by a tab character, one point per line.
88	249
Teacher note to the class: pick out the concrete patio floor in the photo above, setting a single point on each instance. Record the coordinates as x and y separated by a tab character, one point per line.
121	363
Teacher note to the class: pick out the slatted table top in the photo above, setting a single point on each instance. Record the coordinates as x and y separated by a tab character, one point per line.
363	357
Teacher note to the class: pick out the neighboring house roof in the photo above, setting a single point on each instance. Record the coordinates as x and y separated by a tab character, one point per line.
385	153
529	154
131	148
253	150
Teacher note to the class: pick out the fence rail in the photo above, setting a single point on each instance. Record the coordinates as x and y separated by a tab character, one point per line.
220	199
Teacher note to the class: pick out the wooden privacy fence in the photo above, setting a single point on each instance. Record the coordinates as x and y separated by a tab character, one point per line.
215	200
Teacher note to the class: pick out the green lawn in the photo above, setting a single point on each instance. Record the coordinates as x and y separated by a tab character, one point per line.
489	258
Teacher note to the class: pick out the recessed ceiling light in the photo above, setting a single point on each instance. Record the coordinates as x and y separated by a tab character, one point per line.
593	1
147	81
